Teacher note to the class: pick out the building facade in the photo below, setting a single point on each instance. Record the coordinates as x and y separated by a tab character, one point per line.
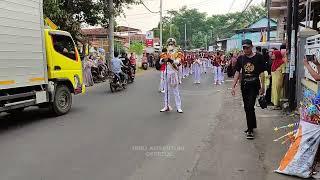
256	32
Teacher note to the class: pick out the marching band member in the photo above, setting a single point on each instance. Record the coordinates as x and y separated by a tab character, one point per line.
180	66
217	69
186	66
162	71
197	70
171	61
191	63
223	65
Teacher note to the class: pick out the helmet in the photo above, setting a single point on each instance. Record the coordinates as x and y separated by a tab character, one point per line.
171	41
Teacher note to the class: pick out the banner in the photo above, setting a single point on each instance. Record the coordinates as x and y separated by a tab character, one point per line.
299	158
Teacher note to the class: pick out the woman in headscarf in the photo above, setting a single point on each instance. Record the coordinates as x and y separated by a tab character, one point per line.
87	74
277	70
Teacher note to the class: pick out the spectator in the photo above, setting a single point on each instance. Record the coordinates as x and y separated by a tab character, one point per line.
277	70
87	74
150	60
259	49
268	62
252	66
312	72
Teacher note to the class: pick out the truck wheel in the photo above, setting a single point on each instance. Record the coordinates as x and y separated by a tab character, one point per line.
62	101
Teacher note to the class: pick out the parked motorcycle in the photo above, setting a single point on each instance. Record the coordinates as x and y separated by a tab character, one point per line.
116	84
99	73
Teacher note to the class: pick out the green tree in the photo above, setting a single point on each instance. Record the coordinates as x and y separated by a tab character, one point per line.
69	15
118	47
202	29
137	48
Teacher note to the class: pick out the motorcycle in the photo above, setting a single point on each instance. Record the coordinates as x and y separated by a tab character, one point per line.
130	73
116	84
99	73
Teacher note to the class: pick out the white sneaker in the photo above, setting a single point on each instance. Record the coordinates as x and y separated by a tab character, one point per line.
180	82
195	82
166	109
215	83
198	82
163	91
179	111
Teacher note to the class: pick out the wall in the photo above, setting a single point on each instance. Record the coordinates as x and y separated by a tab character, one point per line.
235	41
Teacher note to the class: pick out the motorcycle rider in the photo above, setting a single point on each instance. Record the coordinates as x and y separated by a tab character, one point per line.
116	65
126	62
133	62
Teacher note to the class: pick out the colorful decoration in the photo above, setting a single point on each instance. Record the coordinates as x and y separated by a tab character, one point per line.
312	110
287	126
286	135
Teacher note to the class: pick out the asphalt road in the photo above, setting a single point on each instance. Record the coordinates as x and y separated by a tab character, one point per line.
119	136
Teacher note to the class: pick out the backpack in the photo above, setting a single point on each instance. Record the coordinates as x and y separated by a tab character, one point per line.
158	65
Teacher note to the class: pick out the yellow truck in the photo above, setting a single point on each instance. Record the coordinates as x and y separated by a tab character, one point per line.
38	66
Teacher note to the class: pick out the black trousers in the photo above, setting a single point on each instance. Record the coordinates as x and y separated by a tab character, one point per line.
249	96
268	92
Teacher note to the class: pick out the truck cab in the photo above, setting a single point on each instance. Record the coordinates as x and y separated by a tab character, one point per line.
64	69
63	60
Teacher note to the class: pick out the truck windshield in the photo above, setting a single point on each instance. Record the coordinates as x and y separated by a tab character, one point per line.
64	45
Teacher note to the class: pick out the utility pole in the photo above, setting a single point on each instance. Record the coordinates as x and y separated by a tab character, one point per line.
111	30
268	6
206	42
289	33
160	25
293	62
185	36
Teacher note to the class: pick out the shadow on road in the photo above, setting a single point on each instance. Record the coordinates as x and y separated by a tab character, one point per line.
29	116
13	121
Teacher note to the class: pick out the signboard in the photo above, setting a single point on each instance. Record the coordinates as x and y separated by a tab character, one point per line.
149	35
149	42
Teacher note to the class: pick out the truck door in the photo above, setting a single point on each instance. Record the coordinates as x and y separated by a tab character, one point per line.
66	63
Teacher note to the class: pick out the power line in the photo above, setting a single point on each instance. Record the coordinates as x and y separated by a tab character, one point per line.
231	5
234	22
148	8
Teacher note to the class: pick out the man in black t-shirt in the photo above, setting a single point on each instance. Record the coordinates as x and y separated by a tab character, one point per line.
252	67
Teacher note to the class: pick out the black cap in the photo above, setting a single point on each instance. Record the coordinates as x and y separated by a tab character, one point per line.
247	43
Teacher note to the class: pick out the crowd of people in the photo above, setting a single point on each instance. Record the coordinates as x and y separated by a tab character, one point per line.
196	63
95	66
259	73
